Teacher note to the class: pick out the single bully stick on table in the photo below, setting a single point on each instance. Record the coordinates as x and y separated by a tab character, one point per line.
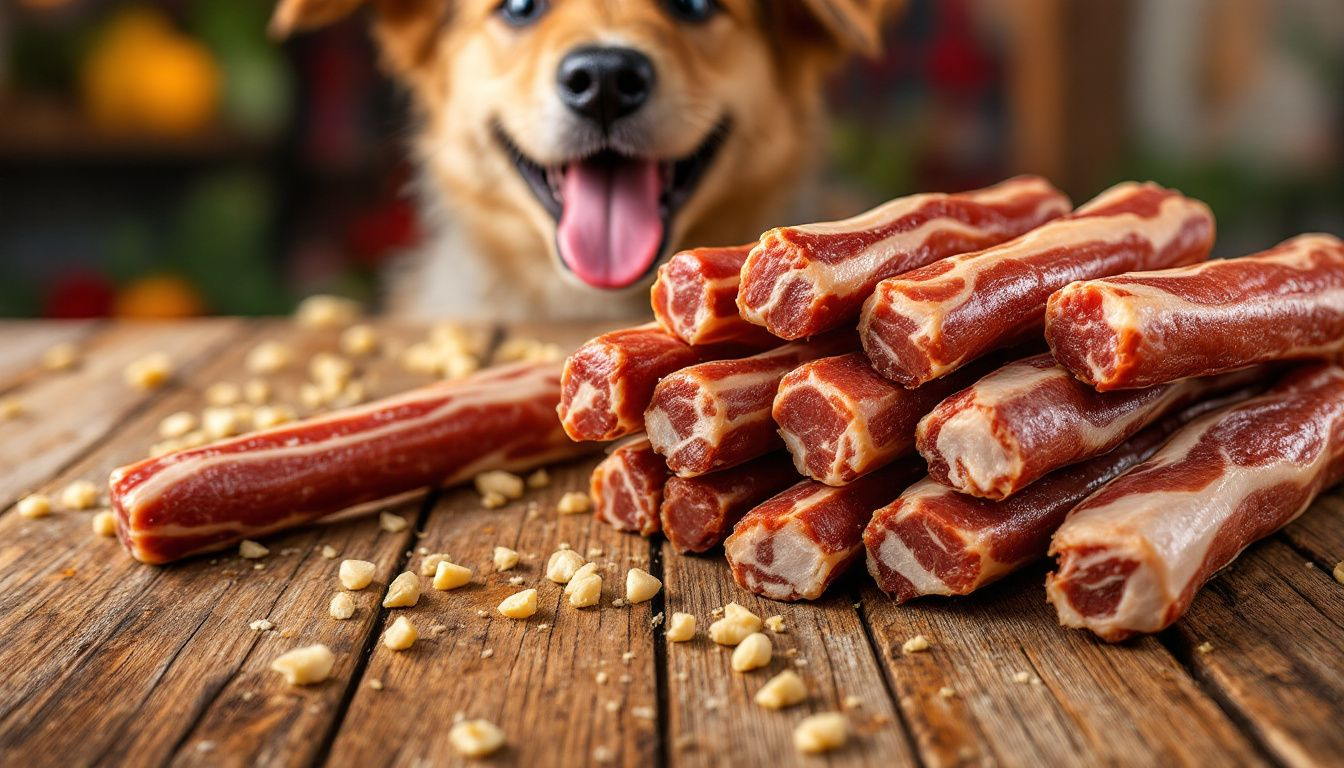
608	381
930	321
716	415
936	541
794	545
627	487
1032	417
695	297
1149	328
212	497
841	419
699	512
1134	555
805	280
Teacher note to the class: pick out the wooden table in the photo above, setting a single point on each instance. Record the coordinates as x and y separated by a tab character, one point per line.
104	660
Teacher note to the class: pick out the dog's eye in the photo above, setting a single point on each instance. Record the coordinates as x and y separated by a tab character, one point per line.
692	10
520	13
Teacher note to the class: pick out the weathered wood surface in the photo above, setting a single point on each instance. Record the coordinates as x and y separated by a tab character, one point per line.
107	661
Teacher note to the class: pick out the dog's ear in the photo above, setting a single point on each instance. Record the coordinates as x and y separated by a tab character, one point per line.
405	29
842	26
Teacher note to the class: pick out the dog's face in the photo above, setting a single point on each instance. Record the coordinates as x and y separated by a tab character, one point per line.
604	133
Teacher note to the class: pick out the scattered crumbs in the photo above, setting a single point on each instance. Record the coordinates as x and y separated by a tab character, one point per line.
717	611
657	619
287	633
205	746
613	706
1036	681
251	550
712	704
248	695
1022	677
261	625
618	603
601	678
916	644
258	566
516	580
603	755
1309	564
375	684
625	679
946	692
487	653
287	551
643	713
543	626
776	624
1205	647
627	656
392	523
595	552
683	676
851	702
329	552
1339	572
791	652
481	612
800	662
437	629
422	550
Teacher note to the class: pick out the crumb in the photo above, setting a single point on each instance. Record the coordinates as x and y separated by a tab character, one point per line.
851	702
403	592
574	503
1022	677
946	692
329	552
305	666
34	506
392	523
505	558
177	424
821	733
562	565
916	644
517	581
521	605
681	628
261	625
356	574
149	372
782	690
1204	647
601	678
643	713
539	479
342	606
325	311
251	550
775	624
753	652
105	523
61	357
375	684
640	586
487	653
737	623
505	484
401	635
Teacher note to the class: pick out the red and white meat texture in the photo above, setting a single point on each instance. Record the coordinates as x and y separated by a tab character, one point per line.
840	419
804	280
1032	416
608	381
1148	328
699	512
695	297
212	497
627	488
1133	556
934	540
796	544
930	321
716	415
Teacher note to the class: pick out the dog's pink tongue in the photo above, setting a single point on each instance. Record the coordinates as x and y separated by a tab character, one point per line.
610	229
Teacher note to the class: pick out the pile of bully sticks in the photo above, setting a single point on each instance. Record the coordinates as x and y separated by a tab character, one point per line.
882	386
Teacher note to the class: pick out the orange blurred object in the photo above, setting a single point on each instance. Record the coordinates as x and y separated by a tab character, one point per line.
142	76
159	297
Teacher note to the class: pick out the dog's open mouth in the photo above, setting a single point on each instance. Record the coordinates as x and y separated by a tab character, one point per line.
613	212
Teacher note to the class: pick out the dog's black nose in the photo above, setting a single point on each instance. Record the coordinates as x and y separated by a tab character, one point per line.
605	84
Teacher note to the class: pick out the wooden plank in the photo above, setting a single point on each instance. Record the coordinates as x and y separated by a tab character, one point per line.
1319	532
67	412
22	343
1276	629
712	717
113	644
1095	704
537	679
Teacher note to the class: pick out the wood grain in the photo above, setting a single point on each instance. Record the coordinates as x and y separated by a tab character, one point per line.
1094	704
68	412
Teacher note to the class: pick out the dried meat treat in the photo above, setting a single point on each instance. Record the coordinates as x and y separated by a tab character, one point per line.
608	381
930	321
840	419
716	415
1133	556
699	512
695	297
936	541
1032	416
212	497
805	280
793	546
627	488
1148	328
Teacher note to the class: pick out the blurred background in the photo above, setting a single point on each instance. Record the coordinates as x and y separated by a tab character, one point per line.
166	158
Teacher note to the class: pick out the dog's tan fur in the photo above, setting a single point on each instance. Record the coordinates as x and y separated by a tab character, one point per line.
761	63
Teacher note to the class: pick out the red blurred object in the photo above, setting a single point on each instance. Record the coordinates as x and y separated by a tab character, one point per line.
81	294
375	234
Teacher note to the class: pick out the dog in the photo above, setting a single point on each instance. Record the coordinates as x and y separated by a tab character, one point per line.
598	135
